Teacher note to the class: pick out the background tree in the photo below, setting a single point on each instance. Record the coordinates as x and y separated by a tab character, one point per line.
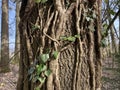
119	31
17	38
61	36
110	12
4	65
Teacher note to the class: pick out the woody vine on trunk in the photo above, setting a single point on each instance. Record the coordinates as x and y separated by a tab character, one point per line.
60	45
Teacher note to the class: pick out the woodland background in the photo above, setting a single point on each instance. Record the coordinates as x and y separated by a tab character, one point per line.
10	48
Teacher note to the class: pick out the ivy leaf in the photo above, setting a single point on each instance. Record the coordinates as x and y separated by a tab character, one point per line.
31	70
72	39
44	1
55	54
77	36
103	43
31	76
34	27
37	1
41	68
89	9
94	15
103	33
105	26
48	72
35	79
37	88
63	38
42	79
91	27
112	12
88	18
44	57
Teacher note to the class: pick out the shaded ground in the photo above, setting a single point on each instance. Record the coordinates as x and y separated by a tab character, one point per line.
111	74
8	80
110	79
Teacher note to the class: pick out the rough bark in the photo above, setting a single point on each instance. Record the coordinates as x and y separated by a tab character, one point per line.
4	63
78	65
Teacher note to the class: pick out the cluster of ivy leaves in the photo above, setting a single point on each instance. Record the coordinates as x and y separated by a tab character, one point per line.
39	72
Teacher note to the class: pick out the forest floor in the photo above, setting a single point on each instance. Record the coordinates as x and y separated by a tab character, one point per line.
111	74
8	81
110	79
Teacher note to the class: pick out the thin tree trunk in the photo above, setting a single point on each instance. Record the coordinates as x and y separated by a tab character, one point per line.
4	63
119	31
114	46
17	37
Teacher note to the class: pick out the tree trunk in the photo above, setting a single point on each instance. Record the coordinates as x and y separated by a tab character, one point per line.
114	46
4	63
72	28
119	31
17	37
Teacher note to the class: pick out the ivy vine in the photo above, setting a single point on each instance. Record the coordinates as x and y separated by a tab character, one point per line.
40	71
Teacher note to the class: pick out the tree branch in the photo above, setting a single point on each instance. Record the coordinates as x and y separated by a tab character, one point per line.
114	18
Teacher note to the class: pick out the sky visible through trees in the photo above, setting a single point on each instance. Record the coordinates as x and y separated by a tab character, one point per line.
12	22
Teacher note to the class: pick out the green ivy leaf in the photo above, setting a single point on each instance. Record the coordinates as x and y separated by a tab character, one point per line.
41	68
105	26
77	36
111	12
37	1
44	1
34	27
44	57
37	88
103	33
72	39
55	54
48	72
103	43
42	79
63	38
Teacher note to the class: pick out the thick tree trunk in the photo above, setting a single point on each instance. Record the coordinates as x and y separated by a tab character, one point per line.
4	63
78	64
